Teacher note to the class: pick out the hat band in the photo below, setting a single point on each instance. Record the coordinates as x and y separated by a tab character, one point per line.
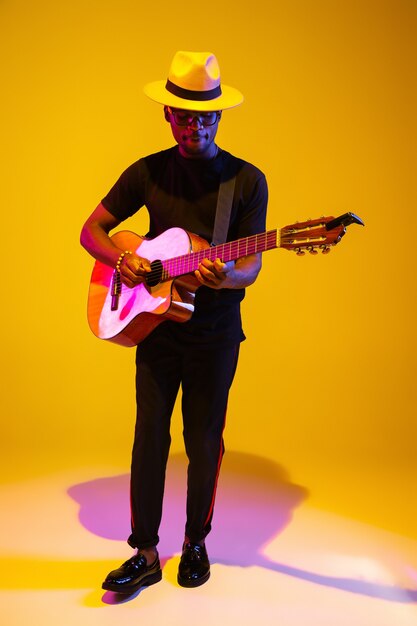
189	94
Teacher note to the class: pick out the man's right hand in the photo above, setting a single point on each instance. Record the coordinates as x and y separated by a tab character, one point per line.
133	269
95	238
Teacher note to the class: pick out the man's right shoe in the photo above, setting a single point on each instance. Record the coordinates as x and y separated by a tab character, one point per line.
133	574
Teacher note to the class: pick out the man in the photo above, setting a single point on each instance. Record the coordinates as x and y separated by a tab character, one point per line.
180	187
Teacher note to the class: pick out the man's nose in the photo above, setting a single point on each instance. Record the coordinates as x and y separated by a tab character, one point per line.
195	121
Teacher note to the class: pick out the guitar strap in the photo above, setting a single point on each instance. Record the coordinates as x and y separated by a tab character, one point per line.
224	201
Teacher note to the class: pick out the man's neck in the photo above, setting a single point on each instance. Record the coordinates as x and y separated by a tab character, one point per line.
200	156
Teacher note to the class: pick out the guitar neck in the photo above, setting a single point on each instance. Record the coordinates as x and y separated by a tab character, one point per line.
230	251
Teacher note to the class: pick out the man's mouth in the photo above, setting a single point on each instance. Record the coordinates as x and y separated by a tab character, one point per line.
195	137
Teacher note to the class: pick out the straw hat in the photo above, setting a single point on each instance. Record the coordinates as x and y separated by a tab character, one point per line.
194	84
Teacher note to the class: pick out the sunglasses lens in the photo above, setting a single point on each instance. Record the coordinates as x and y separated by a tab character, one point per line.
183	118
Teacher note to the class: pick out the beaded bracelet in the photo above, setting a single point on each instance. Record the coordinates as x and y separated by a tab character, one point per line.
120	259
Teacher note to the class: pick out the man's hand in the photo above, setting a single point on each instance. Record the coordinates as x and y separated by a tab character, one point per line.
231	275
213	273
133	269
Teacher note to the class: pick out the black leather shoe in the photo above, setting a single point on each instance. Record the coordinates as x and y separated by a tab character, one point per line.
194	567
133	574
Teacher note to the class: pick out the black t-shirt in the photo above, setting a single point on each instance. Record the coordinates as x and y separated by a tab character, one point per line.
181	192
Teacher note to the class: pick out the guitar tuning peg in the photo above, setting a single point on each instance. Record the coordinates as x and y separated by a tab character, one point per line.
312	250
299	252
325	249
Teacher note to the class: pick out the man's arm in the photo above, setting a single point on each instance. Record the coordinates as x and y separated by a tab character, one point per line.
95	239
231	275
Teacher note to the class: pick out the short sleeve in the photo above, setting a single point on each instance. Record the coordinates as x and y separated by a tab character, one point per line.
128	194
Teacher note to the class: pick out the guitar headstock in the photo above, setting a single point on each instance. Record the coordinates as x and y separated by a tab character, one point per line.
318	234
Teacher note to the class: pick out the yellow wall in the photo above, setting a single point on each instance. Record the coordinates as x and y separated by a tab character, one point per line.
326	385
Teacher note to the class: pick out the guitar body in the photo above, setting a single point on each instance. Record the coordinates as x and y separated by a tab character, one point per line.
142	308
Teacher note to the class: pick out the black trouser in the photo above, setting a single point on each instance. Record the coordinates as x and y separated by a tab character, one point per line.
163	364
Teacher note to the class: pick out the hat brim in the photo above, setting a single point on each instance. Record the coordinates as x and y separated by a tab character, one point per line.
229	98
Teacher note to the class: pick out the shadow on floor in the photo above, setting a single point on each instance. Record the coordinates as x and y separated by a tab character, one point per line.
255	502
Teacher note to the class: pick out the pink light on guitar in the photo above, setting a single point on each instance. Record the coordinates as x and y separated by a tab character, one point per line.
126	316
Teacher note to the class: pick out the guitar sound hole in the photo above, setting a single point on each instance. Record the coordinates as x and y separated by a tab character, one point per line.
155	275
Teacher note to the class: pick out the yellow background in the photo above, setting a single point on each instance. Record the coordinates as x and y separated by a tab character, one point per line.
326	385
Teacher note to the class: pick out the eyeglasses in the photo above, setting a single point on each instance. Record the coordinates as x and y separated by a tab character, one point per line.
184	118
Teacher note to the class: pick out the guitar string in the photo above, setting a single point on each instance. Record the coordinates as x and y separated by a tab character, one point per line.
188	263
260	242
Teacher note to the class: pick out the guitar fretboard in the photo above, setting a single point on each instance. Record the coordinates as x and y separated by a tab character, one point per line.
230	251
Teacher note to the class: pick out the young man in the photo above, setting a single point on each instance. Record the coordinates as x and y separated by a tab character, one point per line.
179	188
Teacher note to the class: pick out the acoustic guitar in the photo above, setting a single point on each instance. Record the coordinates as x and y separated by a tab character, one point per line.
126	315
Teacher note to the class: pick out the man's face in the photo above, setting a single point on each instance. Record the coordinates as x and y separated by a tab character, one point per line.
194	131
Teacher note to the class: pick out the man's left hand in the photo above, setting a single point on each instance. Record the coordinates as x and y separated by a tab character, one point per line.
213	274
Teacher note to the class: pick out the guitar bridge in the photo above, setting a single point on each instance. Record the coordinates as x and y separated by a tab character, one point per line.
116	290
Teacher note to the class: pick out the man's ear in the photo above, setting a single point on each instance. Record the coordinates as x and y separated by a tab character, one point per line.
220	115
166	113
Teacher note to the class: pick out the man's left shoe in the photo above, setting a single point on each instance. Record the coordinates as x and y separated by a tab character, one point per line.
194	567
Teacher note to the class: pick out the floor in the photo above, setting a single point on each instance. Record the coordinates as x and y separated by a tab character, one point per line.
274	557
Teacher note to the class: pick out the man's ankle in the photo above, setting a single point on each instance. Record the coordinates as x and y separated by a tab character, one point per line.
150	554
200	543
